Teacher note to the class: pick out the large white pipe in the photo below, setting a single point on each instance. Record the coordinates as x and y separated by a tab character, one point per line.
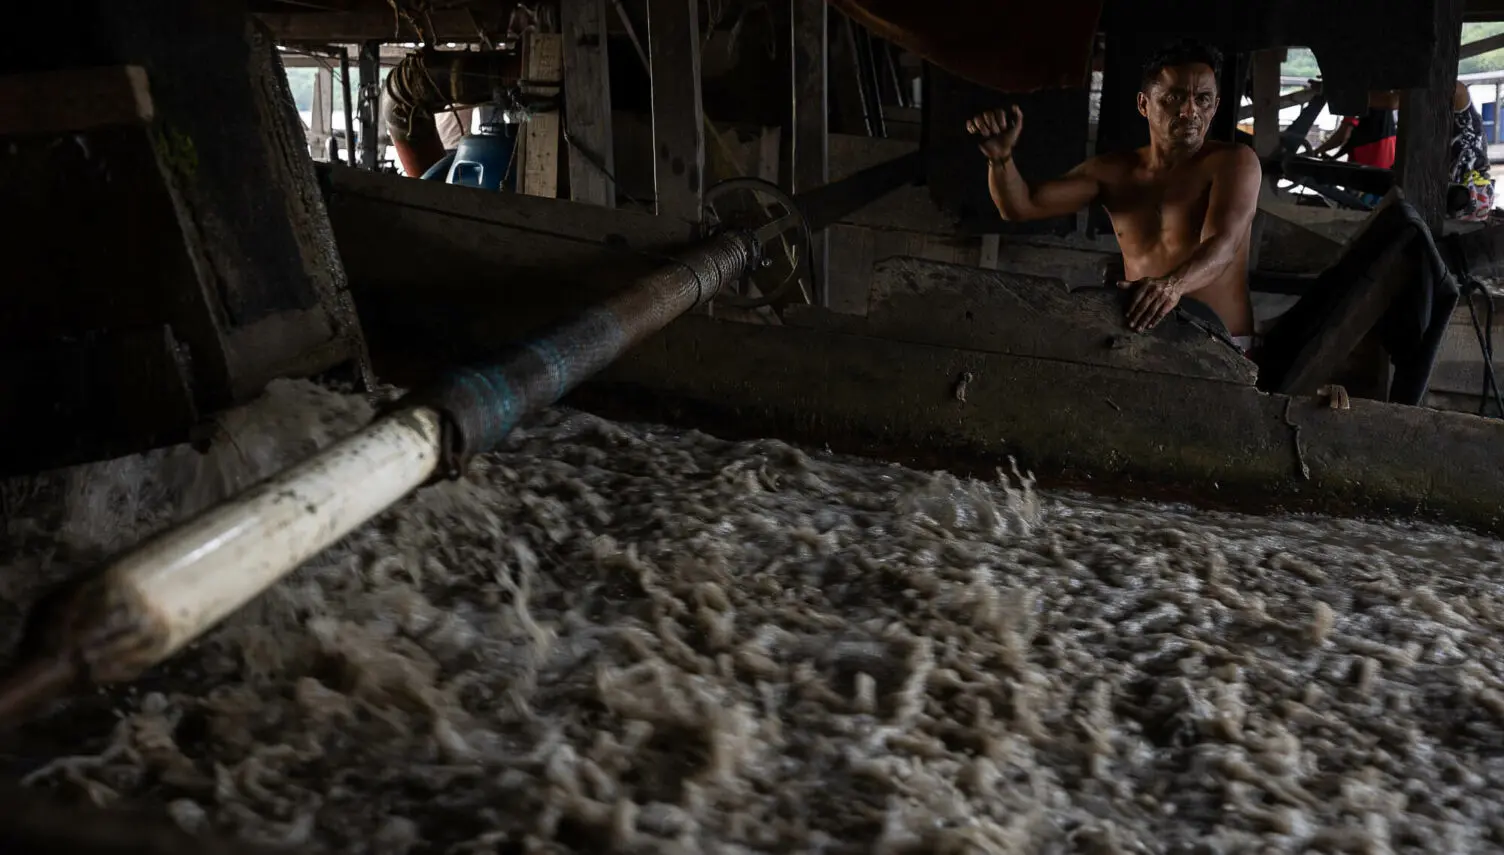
166	593
154	601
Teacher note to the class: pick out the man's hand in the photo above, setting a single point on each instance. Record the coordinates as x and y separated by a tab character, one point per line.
999	132
1154	297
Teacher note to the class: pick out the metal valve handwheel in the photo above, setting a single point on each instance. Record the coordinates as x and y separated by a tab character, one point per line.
766	210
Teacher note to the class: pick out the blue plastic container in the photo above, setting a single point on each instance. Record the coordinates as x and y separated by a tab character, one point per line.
484	159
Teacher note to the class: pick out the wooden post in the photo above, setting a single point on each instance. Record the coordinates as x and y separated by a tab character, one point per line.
1236	68
1426	121
322	114
769	147
349	106
1266	65
370	105
587	102
1498	107
678	115
543	66
809	140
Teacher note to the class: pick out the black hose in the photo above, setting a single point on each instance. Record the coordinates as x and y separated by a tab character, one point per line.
1485	333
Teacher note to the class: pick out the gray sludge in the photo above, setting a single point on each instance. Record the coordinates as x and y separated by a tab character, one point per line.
620	638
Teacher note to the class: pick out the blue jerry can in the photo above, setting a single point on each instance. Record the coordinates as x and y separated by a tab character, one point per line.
485	159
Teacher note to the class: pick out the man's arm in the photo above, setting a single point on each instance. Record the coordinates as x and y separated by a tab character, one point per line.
1338	138
1018	202
1229	217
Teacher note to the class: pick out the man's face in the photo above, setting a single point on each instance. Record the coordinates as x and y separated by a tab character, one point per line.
1180	104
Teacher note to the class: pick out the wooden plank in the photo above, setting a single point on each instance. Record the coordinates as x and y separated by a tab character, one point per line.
1325	353
989	252
511	231
864	394
809	132
543	66
1426	121
851	251
73	100
954	306
444	273
678	113
587	102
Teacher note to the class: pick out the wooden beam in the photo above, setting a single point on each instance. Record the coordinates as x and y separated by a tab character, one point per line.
459	233
1266	100
543	64
1484	10
1292	99
324	28
587	102
809	143
1426	121
678	114
1481	47
79	99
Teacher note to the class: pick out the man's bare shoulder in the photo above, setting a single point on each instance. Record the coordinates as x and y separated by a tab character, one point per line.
1113	164
1229	157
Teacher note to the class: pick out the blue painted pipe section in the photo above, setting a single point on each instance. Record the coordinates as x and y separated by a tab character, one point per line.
481	404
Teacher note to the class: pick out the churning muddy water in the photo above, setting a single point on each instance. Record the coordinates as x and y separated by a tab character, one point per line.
613	637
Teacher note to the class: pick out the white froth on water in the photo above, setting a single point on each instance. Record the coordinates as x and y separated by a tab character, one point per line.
622	638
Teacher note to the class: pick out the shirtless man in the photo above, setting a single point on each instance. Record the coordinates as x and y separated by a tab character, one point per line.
1182	207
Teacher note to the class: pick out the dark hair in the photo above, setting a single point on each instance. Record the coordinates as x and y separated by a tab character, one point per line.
1183	52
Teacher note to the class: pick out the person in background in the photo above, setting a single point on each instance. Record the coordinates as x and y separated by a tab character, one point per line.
1471	194
1369	139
